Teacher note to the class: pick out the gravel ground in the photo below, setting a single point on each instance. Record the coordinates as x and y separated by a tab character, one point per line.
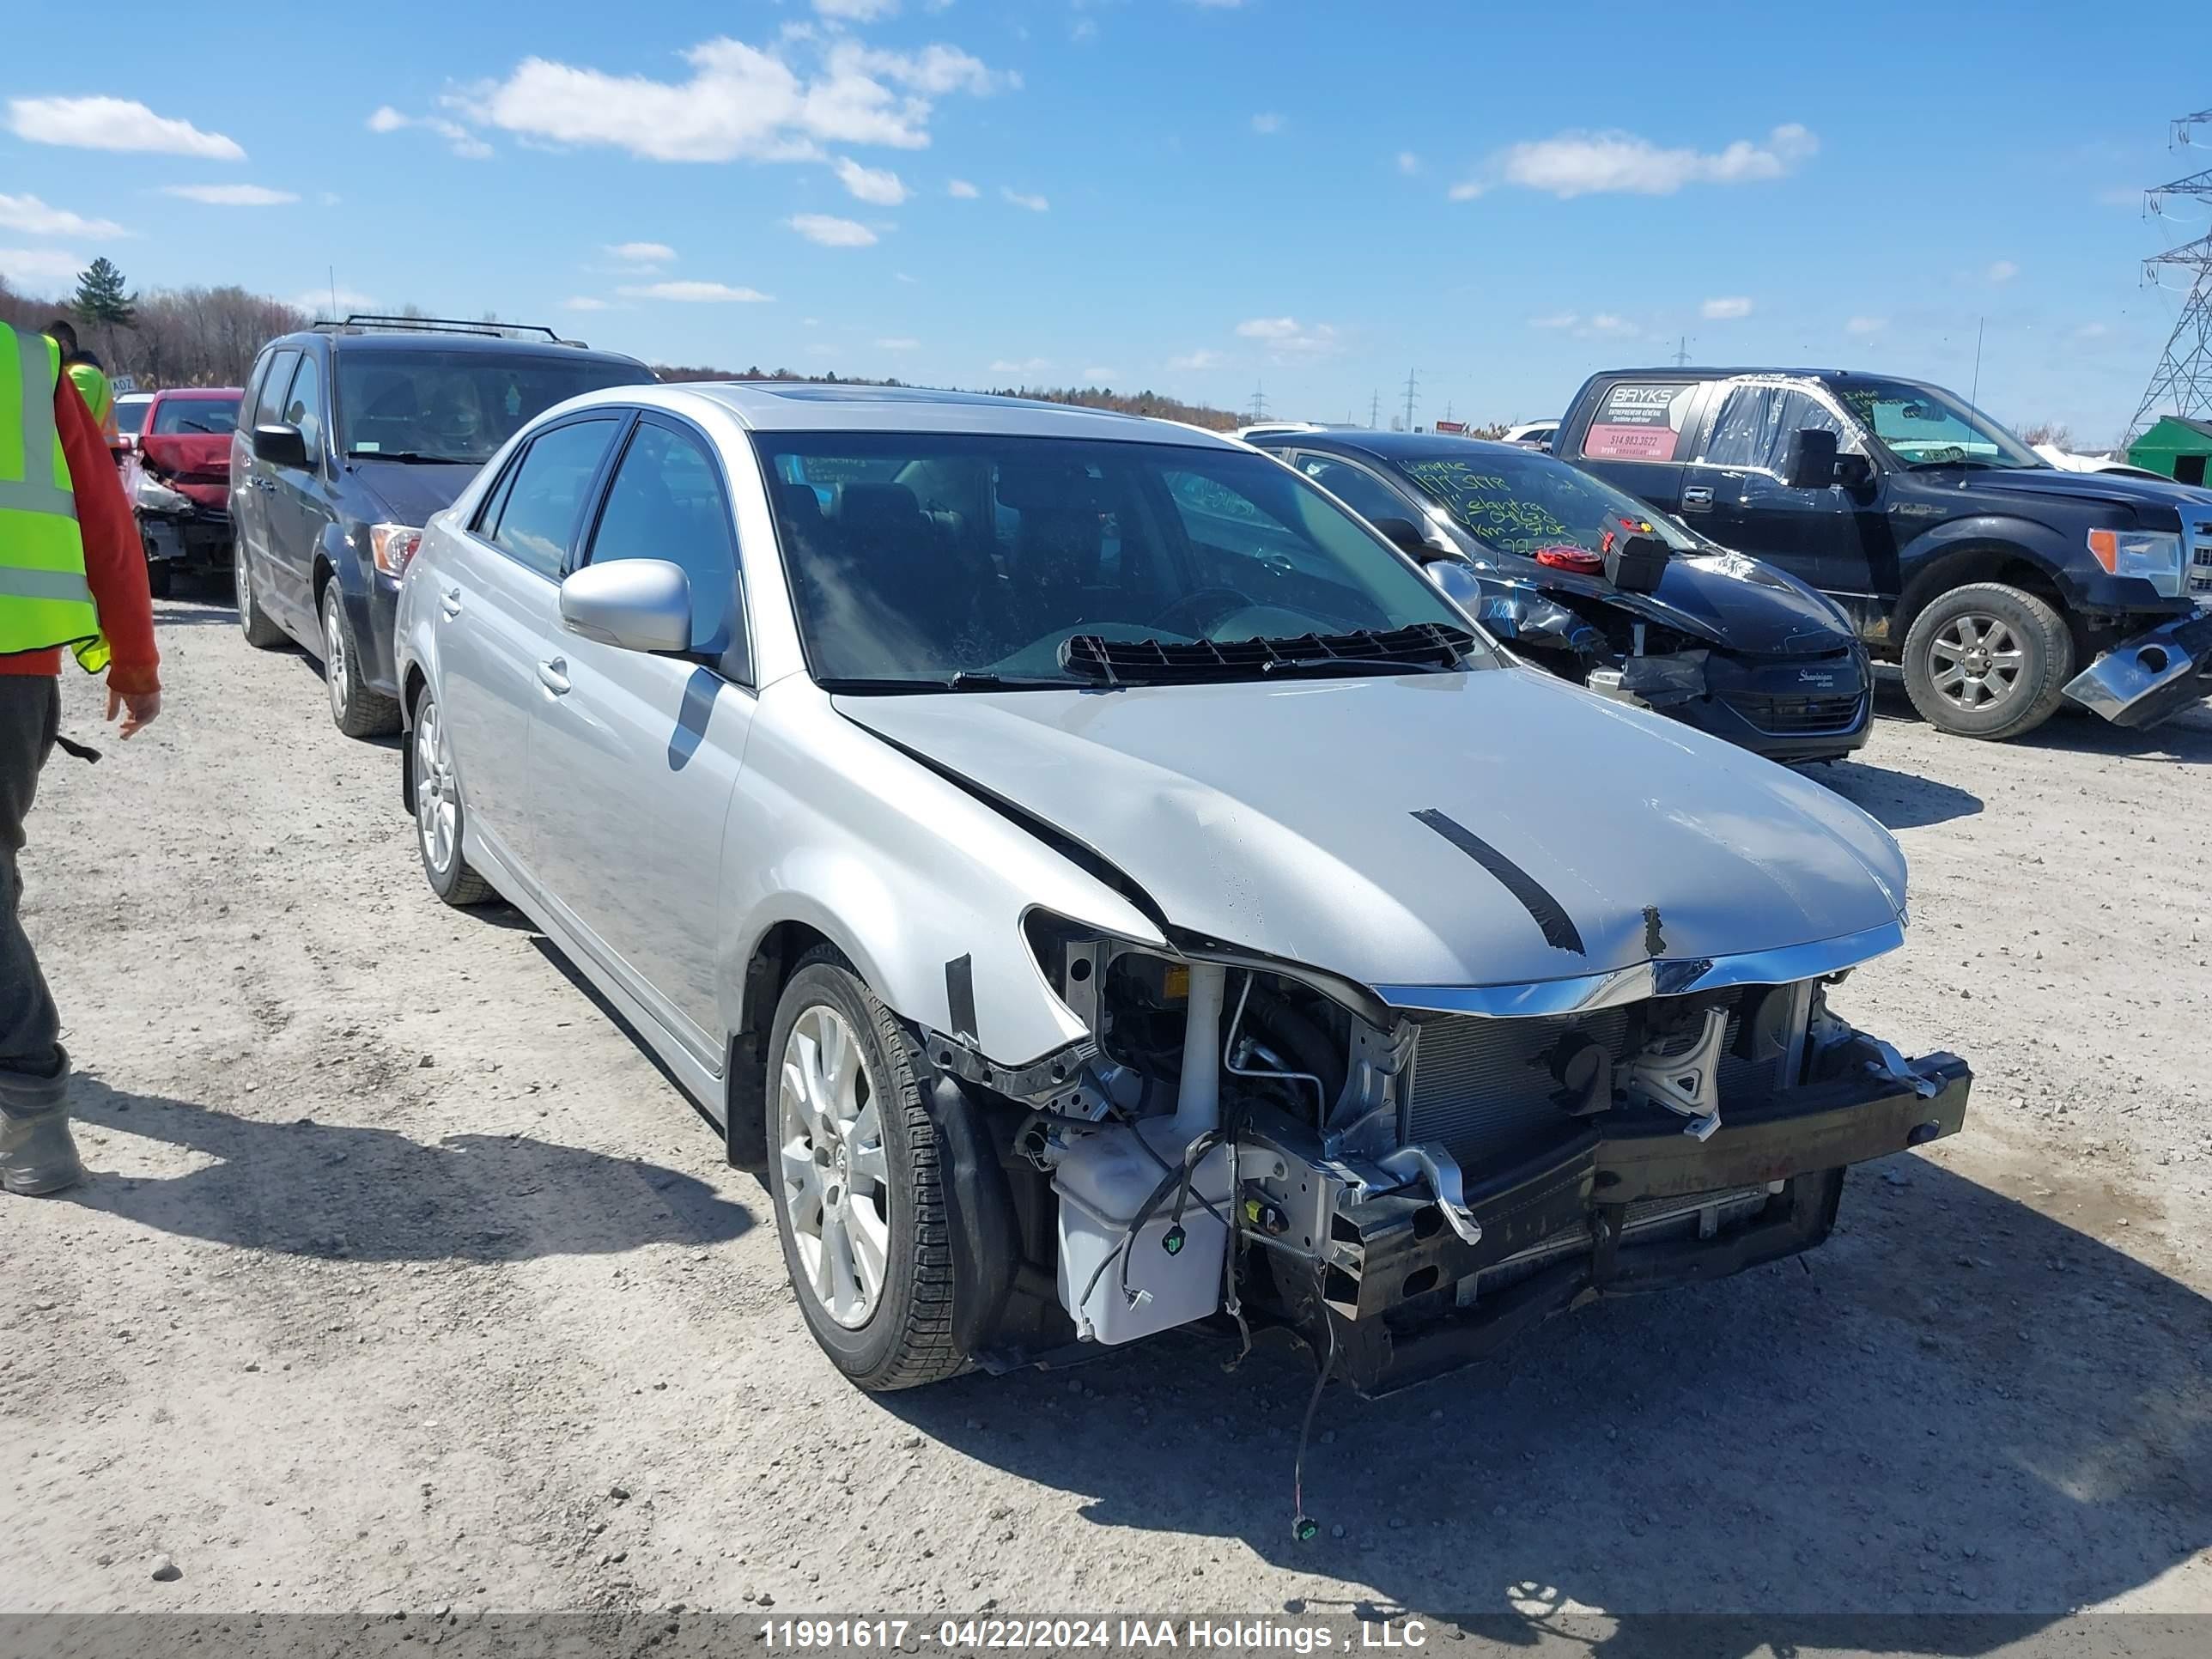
405	1281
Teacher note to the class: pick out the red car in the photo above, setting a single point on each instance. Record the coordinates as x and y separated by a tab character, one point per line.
177	477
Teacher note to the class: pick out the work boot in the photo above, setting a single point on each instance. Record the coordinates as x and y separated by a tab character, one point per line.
37	1156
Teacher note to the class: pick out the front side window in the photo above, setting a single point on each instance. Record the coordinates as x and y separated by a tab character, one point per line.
180	416
303	407
454	406
1758	423
1922	426
1517	501
914	558
666	502
538	520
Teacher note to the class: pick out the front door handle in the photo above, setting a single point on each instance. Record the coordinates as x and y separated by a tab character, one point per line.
1697	498
554	676
450	602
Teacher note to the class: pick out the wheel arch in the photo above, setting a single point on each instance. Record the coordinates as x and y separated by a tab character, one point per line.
769	966
2015	552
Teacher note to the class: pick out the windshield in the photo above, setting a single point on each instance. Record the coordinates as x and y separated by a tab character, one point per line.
921	560
1927	426
176	415
451	406
131	413
1522	502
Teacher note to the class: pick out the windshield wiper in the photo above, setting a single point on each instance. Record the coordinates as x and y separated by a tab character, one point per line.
964	680
411	457
1963	460
1330	664
1420	648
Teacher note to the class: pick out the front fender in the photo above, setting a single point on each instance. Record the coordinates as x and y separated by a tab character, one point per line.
2062	555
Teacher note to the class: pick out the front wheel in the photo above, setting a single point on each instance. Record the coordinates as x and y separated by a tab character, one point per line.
855	1171
358	711
1988	660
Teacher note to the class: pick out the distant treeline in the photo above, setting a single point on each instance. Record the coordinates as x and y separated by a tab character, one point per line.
1151	403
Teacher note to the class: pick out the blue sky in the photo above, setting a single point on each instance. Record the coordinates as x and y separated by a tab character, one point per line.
1196	196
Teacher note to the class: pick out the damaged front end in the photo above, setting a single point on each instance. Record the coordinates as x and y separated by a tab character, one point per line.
1407	1176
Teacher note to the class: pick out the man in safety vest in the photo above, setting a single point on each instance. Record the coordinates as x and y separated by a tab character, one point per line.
72	573
91	380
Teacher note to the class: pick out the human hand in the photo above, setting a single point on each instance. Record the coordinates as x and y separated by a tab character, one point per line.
138	708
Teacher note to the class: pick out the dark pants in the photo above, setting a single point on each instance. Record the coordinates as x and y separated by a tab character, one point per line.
30	1025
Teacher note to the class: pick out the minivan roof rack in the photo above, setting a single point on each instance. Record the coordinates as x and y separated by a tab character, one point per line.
367	320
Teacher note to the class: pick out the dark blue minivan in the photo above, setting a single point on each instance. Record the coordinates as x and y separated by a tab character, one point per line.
350	436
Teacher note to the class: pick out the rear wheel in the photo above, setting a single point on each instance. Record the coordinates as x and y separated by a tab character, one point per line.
438	813
854	1171
359	712
259	631
1988	660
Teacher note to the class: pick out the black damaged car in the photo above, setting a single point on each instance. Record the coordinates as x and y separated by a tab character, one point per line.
1580	578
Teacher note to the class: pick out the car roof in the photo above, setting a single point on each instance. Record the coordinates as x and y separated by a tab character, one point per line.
188	392
1393	445
1671	372
454	344
812	406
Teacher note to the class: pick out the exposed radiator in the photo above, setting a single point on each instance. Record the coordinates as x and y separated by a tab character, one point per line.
1482	1088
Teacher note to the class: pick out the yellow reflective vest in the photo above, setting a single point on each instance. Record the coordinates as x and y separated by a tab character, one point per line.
44	599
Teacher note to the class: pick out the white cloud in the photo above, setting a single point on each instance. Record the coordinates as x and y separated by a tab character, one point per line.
962	189
830	231
877	185
1555	320
39	265
1026	366
1268	122
322	302
2002	271
1866	326
114	123
1607	322
697	293
1101	376
1725	309
1580	163
1409	163
230	195
642	253
856	11
584	302
899	342
1286	336
33	217
1467	190
2093	331
1200	359
901	276
458	139
1083	31
1034	203
740	102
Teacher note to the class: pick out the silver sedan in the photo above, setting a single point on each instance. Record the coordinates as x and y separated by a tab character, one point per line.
1104	886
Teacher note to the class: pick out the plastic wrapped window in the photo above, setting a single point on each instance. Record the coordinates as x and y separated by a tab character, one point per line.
1758	423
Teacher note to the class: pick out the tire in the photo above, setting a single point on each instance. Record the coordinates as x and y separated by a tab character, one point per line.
357	711
1982	639
902	1336
260	633
160	578
439	816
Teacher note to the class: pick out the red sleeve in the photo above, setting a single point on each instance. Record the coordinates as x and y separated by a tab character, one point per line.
114	559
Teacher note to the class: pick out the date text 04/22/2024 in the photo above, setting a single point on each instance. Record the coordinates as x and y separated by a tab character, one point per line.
1108	1635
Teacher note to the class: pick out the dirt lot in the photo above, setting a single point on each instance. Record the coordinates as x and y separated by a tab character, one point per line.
405	1281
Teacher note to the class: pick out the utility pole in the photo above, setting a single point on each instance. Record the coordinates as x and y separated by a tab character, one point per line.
1682	352
1374	411
1447	409
2182	382
1410	384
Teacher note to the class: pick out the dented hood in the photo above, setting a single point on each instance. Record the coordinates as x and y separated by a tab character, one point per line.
1488	828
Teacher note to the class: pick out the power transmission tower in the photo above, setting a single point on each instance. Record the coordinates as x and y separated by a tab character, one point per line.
1410	385
1374	409
2182	382
1258	403
1682	351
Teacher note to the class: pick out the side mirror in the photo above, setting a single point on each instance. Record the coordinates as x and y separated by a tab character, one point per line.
1410	539
635	604
1812	458
281	445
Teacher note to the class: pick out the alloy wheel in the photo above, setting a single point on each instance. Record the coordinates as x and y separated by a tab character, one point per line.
830	1159
1975	662
241	581
334	654
437	808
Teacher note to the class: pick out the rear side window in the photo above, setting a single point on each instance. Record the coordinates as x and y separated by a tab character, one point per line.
1358	489
1639	420
269	410
537	521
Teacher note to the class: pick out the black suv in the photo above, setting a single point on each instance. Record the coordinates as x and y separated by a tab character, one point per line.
350	436
2001	583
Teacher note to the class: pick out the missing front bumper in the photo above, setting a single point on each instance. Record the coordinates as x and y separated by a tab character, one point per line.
2152	676
1598	1215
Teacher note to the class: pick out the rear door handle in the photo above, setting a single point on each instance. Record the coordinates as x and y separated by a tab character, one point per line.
450	602
554	676
1697	498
